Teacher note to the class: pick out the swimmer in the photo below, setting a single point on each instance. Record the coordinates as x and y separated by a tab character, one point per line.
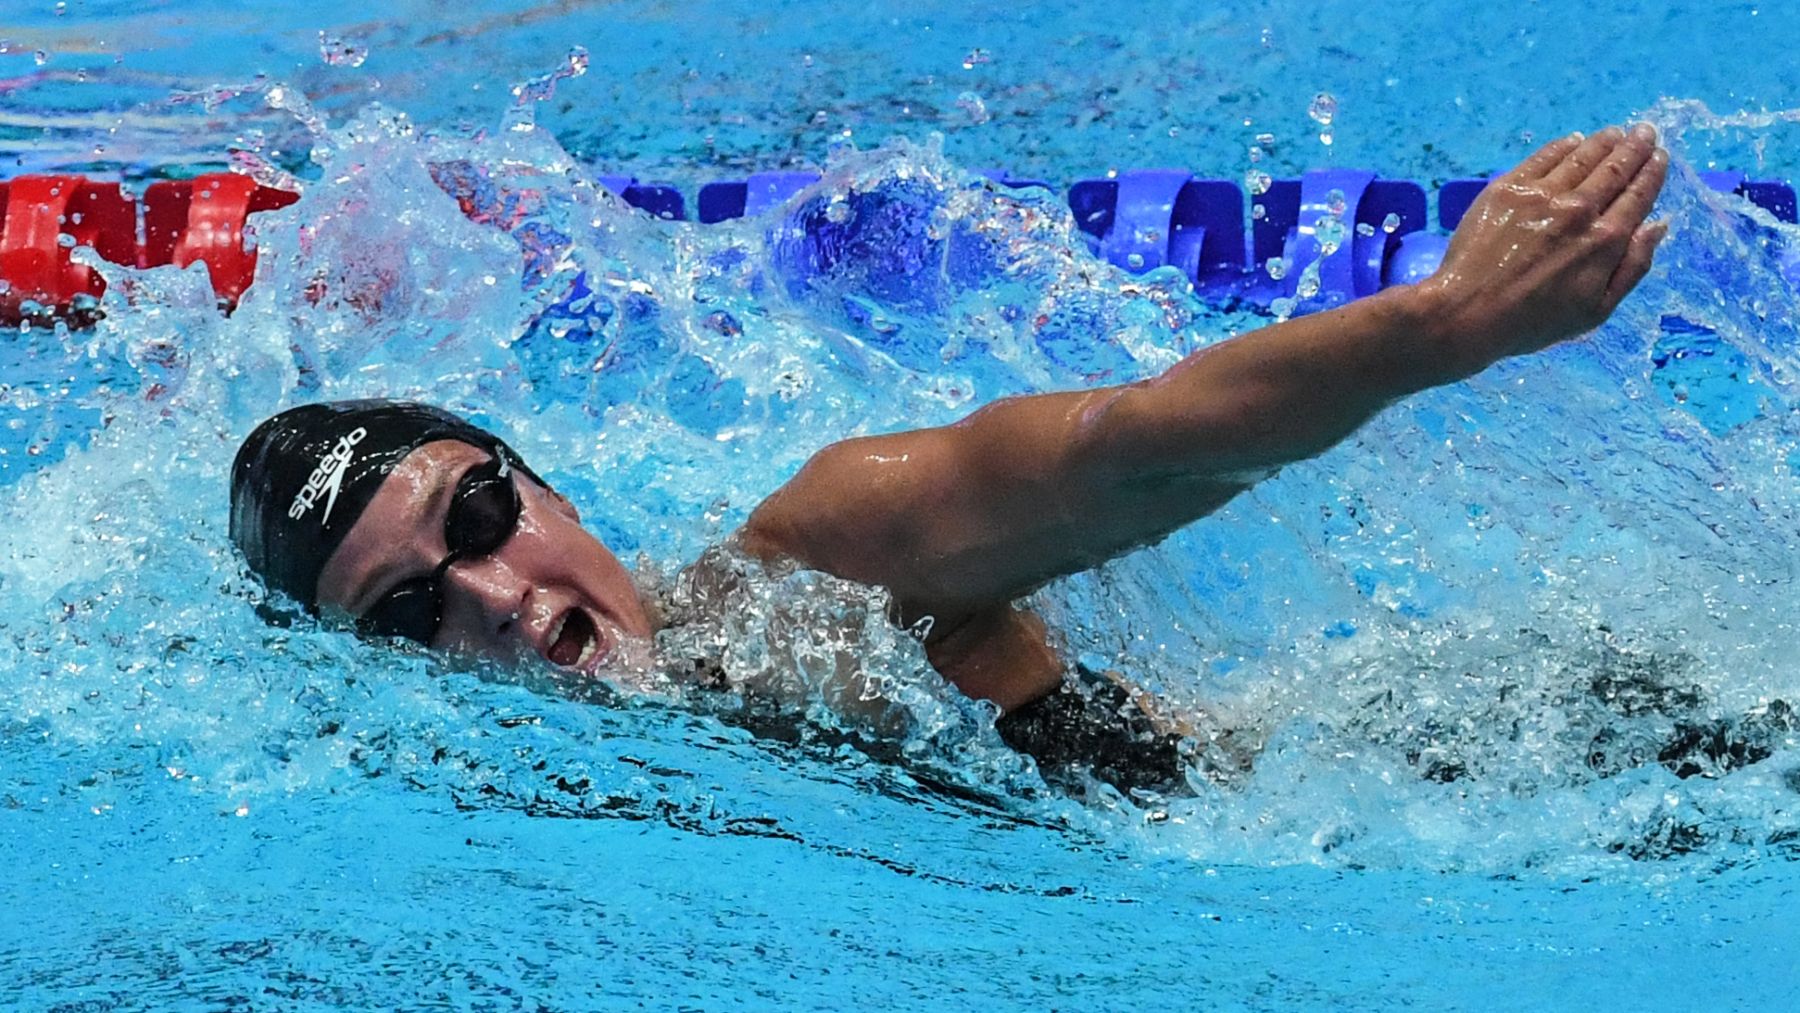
418	525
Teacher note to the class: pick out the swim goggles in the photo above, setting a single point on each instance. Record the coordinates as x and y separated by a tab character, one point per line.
484	512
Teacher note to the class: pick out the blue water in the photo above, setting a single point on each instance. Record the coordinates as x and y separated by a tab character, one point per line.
1461	639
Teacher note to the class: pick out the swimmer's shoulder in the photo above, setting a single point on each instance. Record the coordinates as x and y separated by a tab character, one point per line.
869	509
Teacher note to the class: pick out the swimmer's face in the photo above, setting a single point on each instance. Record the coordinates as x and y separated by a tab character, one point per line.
549	589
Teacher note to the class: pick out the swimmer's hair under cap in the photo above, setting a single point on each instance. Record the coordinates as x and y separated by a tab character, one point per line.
302	478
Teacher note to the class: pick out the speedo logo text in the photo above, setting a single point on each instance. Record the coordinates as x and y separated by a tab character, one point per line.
327	477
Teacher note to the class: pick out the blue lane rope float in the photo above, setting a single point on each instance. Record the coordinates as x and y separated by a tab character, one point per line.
1321	240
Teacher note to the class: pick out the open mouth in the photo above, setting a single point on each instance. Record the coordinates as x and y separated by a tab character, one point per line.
573	640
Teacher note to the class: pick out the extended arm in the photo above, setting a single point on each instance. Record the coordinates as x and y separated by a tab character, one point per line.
959	519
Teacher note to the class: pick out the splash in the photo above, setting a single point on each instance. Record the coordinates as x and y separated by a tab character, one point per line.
1475	636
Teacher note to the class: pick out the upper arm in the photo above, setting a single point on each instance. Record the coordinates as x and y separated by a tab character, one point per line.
978	513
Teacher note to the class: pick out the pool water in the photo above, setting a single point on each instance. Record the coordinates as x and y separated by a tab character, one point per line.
1517	655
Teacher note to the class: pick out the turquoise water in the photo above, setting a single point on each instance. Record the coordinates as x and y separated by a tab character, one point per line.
1463	637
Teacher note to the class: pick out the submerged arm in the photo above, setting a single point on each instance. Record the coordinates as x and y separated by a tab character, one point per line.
963	518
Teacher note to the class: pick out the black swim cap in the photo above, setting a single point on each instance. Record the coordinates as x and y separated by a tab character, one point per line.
302	478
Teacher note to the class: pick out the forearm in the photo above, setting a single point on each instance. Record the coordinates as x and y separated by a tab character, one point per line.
1277	395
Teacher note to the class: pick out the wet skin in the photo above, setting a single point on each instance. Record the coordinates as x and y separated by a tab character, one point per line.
550	581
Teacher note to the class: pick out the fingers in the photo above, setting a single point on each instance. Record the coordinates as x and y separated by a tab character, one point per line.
1636	262
1619	169
1629	209
1580	163
1547	157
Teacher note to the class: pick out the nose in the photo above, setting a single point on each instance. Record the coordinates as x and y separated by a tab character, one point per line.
485	601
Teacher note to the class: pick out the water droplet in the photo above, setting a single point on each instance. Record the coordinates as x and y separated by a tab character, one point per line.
975	58
339	52
1276	267
41	57
1325	138
837	211
1323	109
1391	224
1335	203
1257	182
1364	229
972	107
65	241
1265	140
1135	261
724	323
1255	153
61	8
1258	212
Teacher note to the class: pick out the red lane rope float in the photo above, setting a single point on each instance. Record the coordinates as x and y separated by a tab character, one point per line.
43	218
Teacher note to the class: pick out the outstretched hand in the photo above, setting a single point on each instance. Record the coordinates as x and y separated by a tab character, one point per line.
1549	249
